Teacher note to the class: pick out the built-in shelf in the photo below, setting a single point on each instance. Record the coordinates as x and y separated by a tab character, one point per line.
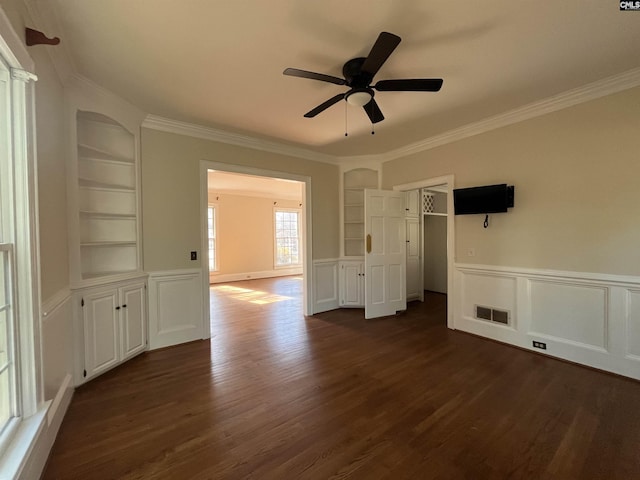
354	184
88	213
434	214
106	244
93	275
89	152
107	198
104	186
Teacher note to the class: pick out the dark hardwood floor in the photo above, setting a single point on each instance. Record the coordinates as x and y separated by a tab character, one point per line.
275	395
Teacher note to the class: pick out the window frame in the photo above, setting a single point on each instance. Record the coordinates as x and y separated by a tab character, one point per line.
20	230
216	260
298	211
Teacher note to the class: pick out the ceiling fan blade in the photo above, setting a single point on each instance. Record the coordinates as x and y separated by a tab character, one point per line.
409	85
374	112
323	106
294	72
385	44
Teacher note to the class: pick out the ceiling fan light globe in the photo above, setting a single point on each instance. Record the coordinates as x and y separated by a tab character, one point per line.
359	99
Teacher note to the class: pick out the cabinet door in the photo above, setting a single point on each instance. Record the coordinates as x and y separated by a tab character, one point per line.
133	320
413	203
100	319
351	284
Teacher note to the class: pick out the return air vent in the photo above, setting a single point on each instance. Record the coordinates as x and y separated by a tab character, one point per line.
492	314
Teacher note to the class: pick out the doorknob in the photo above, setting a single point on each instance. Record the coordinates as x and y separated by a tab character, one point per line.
369	243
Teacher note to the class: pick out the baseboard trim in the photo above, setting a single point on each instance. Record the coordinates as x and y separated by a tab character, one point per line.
236	277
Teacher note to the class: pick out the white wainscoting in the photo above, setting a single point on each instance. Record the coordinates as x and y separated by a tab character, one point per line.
57	362
588	318
325	285
175	307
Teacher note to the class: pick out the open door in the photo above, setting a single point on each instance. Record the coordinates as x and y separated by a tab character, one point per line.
385	253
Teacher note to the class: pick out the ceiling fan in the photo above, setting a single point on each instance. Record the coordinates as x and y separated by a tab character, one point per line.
358	74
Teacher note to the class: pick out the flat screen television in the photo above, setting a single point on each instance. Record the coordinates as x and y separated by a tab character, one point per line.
487	199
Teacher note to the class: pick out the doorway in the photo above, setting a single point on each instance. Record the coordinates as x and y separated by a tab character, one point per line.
255	224
443	230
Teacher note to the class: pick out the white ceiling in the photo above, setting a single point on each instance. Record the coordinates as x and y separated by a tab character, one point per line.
220	63
253	186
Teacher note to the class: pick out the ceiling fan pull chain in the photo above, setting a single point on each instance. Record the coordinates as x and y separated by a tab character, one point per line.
346	131
373	129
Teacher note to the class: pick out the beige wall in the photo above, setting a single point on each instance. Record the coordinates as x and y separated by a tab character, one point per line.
50	131
245	232
577	197
171	198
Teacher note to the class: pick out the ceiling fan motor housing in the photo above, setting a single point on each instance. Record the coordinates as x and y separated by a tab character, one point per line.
353	74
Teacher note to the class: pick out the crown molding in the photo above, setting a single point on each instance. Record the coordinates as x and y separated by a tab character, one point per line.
45	18
163	124
12	46
592	91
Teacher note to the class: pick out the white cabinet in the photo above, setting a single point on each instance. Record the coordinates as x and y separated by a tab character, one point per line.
114	326
352	284
412	207
100	322
133	315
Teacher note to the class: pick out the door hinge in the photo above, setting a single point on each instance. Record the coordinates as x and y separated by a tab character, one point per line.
82	302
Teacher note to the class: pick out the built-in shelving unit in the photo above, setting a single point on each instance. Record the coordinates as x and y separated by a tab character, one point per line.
354	182
434	202
107	197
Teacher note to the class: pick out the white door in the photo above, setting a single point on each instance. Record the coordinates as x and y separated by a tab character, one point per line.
414	276
134	319
385	256
100	314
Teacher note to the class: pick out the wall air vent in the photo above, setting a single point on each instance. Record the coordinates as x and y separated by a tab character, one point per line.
492	314
483	313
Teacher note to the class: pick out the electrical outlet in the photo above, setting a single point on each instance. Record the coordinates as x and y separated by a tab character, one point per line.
540	345
194	255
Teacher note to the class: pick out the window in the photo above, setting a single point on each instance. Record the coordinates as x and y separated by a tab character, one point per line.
287	237
20	376
7	324
7	364
211	234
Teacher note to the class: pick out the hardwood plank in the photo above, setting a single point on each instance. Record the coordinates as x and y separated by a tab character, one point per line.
275	395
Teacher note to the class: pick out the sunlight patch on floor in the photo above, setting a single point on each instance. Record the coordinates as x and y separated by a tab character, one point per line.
256	297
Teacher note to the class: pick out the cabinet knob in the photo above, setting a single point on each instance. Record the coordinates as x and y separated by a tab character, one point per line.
117	308
124	306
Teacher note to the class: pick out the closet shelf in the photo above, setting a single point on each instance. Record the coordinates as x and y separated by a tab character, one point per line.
435	214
